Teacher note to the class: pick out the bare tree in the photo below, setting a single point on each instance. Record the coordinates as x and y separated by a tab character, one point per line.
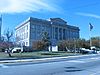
8	43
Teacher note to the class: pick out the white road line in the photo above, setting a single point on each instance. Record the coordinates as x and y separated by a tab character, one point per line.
76	61
95	58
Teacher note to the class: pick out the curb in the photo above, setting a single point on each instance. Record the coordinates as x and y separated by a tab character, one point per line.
47	59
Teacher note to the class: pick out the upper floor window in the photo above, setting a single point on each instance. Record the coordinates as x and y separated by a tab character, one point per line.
27	27
33	26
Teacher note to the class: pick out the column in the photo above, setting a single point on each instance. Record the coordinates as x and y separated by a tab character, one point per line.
54	33
58	33
51	33
62	33
69	34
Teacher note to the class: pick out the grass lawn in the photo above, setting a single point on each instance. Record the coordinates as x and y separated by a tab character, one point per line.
40	54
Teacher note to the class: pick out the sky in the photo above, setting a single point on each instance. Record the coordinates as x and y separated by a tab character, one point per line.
75	12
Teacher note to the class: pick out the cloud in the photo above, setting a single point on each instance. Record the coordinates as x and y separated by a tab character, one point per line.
18	6
88	15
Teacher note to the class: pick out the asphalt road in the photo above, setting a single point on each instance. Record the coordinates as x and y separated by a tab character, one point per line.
81	66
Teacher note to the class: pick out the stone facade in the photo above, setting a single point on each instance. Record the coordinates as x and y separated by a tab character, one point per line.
31	30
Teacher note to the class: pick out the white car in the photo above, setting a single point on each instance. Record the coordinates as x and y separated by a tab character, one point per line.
16	50
98	51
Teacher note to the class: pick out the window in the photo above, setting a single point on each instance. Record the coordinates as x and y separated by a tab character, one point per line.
56	33
33	28
27	35
43	28
23	43
60	33
53	32
27	27
26	43
64	34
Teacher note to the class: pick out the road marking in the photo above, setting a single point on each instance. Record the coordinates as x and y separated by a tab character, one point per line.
95	58
77	61
3	66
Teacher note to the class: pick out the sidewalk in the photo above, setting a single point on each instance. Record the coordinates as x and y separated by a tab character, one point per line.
15	60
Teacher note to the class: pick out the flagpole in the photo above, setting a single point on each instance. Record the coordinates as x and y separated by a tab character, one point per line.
90	39
90	29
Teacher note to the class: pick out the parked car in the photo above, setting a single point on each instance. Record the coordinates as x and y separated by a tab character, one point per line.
98	51
86	51
16	50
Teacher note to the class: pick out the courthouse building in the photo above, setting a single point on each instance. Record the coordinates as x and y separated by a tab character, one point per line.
32	29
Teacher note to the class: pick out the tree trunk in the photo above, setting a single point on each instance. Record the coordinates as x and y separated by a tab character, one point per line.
9	55
8	51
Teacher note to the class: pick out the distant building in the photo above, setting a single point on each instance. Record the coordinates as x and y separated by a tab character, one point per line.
58	29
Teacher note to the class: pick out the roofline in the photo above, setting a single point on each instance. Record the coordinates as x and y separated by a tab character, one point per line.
27	20
31	18
23	23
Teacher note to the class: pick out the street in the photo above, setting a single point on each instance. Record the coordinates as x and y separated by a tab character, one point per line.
81	66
